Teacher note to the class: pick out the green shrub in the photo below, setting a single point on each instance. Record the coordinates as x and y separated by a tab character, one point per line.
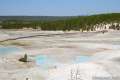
24	59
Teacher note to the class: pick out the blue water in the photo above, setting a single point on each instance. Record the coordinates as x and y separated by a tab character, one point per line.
8	50
80	59
46	61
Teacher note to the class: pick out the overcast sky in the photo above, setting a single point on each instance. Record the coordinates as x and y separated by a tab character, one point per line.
58	7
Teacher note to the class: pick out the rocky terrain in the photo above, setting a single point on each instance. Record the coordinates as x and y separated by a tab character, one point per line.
103	51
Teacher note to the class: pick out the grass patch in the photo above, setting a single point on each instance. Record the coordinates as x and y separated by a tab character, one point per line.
17	43
24	59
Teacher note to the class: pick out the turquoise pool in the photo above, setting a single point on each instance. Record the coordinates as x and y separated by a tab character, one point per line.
8	49
46	61
80	59
43	59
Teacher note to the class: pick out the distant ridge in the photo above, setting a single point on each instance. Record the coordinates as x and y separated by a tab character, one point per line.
49	18
35	18
65	23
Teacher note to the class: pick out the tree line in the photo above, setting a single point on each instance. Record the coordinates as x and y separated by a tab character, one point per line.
74	23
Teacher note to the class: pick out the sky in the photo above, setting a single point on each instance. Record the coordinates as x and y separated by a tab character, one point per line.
57	7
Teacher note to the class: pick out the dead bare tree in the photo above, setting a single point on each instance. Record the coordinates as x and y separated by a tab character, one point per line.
75	75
